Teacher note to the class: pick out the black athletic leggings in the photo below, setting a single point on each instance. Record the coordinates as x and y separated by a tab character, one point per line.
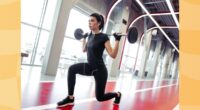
100	75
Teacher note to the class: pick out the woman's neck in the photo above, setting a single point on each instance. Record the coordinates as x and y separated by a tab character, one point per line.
95	31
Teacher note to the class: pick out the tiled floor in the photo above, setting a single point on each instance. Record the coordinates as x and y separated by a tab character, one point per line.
137	94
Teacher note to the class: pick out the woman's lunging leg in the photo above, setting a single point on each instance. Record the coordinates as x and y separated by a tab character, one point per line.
100	80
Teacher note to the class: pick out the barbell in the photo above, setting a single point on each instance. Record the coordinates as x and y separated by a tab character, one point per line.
132	34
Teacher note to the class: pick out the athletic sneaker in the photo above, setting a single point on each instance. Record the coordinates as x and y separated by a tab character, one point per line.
65	102
117	99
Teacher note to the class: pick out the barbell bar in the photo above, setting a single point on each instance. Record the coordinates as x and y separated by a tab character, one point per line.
132	34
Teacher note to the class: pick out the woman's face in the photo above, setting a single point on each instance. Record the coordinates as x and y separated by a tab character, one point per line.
93	23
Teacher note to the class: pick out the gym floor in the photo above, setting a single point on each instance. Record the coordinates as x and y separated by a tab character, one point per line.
42	93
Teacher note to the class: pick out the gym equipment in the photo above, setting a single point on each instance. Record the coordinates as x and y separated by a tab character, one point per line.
154	32
132	34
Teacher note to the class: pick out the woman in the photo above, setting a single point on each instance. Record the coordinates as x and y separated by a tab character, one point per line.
97	42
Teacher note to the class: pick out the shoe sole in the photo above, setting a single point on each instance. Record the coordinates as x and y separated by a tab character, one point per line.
65	104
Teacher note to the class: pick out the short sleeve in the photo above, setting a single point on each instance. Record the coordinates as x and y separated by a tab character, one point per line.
106	38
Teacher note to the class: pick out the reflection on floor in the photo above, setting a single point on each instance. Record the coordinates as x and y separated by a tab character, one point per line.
137	94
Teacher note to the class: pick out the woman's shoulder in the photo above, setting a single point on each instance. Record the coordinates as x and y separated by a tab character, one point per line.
105	36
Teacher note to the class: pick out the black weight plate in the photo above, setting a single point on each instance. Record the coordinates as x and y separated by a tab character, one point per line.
132	35
78	34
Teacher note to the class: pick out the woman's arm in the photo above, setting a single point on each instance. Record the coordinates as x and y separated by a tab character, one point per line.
84	45
112	51
84	42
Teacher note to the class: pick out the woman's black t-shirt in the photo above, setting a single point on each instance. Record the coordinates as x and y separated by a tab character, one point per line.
95	48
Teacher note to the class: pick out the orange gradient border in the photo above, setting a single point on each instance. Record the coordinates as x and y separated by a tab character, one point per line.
189	55
10	98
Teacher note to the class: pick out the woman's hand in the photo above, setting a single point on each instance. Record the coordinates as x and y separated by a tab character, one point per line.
117	36
85	35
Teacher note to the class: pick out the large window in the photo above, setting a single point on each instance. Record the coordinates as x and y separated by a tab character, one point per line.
76	20
41	47
31	11
129	57
36	21
28	35
72	48
49	15
71	53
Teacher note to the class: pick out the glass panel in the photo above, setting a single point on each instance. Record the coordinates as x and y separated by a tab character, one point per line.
75	22
129	57
71	53
49	15
140	53
41	47
160	63
28	35
151	59
31	11
72	49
